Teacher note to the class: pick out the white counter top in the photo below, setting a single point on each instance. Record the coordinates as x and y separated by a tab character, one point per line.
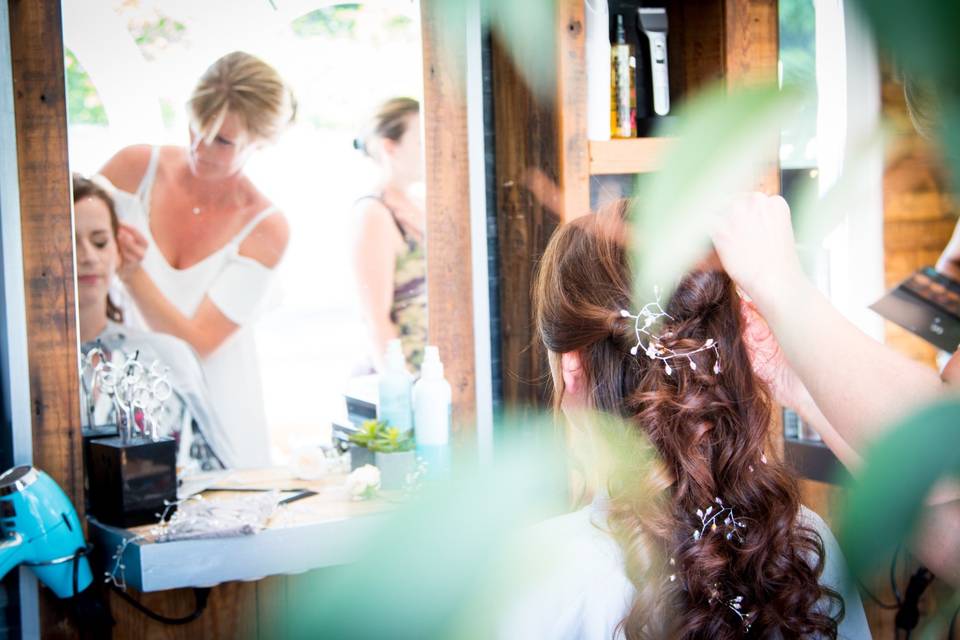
324	530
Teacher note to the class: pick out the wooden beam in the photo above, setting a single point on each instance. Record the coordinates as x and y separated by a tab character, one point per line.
751	41
449	274
635	155
573	160
751	50
36	46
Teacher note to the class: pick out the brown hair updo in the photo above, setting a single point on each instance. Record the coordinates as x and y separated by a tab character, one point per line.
709	431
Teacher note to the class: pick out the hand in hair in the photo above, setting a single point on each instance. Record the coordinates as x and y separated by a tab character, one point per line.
133	246
755	242
767	358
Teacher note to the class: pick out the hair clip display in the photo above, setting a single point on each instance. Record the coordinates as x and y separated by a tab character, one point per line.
137	393
710	521
649	314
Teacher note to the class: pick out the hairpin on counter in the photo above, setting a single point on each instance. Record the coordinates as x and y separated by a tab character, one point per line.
649	314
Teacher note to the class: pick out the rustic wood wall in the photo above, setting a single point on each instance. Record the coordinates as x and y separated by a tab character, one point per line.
527	153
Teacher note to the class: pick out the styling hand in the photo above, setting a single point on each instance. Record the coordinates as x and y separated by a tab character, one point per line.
132	246
754	240
767	359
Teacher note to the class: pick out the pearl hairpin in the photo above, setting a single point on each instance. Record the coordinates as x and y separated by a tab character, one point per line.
649	314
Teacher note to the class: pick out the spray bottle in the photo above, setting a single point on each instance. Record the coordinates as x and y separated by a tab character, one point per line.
394	389
431	408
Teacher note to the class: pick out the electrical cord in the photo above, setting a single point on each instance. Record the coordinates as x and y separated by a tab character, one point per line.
893	577
907	605
893	586
200	594
876	600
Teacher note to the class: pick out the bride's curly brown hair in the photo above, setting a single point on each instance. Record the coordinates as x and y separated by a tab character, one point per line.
710	433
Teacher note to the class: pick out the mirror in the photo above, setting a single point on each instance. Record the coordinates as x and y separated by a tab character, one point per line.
270	200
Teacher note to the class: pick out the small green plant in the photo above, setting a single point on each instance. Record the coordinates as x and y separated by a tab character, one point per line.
369	432
392	440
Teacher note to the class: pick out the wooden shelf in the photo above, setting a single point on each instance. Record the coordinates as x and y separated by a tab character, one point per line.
633	155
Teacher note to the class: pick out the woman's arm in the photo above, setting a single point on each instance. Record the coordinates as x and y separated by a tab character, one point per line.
374	263
860	385
208	327
771	366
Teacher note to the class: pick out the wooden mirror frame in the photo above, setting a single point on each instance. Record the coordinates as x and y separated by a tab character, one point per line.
46	231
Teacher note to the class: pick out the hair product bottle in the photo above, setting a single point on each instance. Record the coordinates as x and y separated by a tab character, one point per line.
395	386
431	409
621	84
597	58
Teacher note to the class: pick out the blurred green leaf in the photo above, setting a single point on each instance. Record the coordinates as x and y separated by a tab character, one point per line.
527	29
724	142
899	471
816	215
938	627
922	34
450	562
442	551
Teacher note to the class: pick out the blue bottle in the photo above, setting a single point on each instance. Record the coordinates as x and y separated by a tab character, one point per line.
395	387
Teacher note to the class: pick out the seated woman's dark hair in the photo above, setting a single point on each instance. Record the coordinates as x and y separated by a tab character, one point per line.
711	433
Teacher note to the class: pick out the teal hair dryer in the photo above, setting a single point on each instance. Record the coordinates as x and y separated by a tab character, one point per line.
40	529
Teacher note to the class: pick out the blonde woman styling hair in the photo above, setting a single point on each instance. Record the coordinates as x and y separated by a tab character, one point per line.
200	243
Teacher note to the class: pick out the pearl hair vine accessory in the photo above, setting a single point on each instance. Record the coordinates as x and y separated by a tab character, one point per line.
649	314
709	521
734	604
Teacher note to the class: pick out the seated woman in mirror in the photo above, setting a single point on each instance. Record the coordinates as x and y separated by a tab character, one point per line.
389	259
187	415
708	539
201	241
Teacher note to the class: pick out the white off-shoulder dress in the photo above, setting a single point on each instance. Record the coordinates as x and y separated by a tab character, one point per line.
240	288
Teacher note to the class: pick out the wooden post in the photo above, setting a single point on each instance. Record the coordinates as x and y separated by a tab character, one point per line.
449	274
36	44
751	50
574	162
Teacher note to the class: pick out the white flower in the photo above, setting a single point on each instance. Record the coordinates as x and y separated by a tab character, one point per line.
363	482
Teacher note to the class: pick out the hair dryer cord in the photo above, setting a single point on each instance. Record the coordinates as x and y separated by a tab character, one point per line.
201	595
